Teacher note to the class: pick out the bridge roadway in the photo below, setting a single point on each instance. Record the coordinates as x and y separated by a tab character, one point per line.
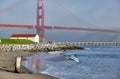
89	43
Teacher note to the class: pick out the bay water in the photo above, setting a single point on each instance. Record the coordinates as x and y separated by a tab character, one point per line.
96	62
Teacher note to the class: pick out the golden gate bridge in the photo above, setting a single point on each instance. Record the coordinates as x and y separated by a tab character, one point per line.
40	22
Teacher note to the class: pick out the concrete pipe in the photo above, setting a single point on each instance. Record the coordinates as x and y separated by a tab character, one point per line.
18	61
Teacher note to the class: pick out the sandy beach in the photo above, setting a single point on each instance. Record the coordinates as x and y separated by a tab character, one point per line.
7	67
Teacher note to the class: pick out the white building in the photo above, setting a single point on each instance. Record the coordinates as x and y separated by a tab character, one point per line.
32	37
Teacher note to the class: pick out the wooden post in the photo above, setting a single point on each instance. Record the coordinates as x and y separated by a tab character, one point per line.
18	61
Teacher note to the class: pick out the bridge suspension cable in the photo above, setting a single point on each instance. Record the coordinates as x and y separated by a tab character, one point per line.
40	27
77	19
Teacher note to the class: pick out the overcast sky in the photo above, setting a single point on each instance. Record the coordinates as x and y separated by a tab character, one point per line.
77	13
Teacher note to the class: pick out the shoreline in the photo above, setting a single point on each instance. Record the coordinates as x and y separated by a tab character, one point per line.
37	47
7	59
7	67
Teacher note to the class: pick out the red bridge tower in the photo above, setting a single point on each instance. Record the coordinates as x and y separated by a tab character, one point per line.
40	20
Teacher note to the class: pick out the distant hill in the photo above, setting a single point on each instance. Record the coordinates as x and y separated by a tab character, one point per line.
16	41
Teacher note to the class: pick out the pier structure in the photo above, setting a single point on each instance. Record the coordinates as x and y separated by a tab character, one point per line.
89	43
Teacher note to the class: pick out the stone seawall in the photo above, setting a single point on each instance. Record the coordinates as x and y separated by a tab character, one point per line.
24	47
35	47
15	47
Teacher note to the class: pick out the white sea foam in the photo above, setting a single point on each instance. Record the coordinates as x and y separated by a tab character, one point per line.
55	52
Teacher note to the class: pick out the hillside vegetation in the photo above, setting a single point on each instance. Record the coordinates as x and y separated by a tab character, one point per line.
16	41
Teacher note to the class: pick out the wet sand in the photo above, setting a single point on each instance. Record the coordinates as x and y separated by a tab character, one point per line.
7	67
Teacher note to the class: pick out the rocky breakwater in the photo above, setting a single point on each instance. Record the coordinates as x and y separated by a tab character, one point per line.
42	47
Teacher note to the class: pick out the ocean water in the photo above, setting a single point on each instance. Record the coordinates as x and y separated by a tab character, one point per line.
96	62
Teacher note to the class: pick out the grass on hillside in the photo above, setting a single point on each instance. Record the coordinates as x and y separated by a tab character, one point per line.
16	41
